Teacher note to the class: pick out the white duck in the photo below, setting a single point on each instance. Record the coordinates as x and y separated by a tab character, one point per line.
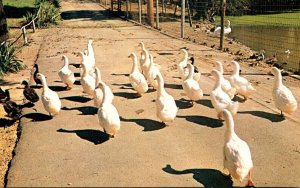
91	54
166	108
89	67
145	59
283	97
87	81
225	84
237	155
98	94
219	99
137	79
108	115
50	99
183	71
241	84
227	30
191	87
153	72
65	74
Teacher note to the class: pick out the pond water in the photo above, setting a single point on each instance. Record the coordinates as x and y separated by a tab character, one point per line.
272	39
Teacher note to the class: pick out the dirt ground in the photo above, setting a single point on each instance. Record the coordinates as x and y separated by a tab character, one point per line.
73	28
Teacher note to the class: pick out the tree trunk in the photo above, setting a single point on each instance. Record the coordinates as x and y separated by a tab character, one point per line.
3	24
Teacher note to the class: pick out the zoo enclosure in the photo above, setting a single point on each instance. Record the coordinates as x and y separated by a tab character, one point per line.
270	25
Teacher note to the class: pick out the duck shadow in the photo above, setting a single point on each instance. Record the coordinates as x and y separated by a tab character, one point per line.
123	86
205	121
173	86
37	117
85	110
36	86
77	99
126	95
238	99
77	82
76	65
94	136
58	88
183	103
26	105
148	124
6	122
205	102
114	74
76	74
207	177
266	115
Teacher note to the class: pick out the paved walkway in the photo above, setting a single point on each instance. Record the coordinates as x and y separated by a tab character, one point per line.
72	150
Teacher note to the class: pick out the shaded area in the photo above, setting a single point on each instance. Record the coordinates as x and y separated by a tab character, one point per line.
58	88
173	86
207	177
266	115
238	99
77	82
183	103
85	110
17	12
205	102
6	122
76	74
92	14
37	116
76	65
148	124
126	95
114	74
81	99
202	120
124	86
94	136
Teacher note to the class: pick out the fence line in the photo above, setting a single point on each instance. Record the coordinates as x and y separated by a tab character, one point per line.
275	32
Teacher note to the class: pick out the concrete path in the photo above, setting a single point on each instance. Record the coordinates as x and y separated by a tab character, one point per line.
72	150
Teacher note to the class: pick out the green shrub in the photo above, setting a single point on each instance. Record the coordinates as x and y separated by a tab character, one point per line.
56	3
8	60
49	14
28	17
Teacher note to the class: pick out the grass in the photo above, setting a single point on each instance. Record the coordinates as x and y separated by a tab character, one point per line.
16	9
288	19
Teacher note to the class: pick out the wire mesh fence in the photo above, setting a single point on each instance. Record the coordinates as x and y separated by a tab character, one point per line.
269	26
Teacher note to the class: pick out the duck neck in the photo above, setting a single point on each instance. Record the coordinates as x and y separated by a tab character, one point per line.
185	56
44	83
229	133
134	64
161	89
191	72
7	95
278	80
220	67
84	73
218	82
236	70
104	91
98	77
36	70
66	62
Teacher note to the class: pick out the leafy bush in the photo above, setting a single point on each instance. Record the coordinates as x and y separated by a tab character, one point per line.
28	17
56	3
49	14
8	60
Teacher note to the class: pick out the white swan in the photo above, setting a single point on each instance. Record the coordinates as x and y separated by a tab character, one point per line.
166	108
137	79
237	155
283	97
219	99
225	84
153	72
145	59
183	71
87	81
66	75
108	115
191	87
227	30
241	84
91	54
50	99
98	94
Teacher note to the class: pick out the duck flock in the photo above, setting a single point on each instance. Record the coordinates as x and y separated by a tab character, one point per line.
146	74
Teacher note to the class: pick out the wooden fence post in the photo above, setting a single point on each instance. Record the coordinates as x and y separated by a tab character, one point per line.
150	13
223	9
127	14
157	15
140	12
24	36
33	25
112	5
182	17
